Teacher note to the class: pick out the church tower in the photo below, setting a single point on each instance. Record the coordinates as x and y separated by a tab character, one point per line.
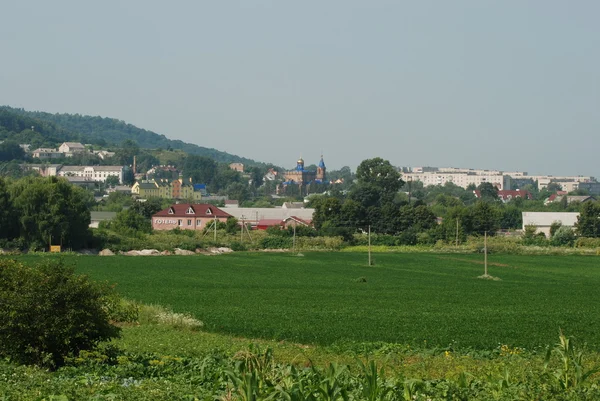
321	170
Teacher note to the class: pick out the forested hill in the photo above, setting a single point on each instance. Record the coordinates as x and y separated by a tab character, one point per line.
109	131
24	129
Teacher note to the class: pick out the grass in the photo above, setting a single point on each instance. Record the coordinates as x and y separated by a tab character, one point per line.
422	300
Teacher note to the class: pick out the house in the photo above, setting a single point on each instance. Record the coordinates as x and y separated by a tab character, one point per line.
256	216
166	189
188	216
558	197
296	221
506	195
103	154
97	217
237	167
271	175
232	203
70	148
45	170
543	220
263	224
47	154
293	205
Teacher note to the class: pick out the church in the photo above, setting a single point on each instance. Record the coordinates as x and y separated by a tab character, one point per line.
300	176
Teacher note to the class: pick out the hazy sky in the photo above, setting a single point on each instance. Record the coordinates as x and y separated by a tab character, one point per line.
509	85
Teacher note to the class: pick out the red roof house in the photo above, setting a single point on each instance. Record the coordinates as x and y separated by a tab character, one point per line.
506	195
188	216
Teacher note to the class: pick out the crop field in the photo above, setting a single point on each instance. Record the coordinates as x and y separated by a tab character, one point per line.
423	300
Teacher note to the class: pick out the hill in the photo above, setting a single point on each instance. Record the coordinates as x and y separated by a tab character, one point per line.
101	131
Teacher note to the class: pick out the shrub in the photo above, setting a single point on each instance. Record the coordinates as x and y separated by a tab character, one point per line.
237	246
276	243
48	313
564	236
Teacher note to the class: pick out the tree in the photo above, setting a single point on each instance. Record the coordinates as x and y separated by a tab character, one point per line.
257	176
485	217
488	192
327	210
11	151
51	210
8	217
588	222
381	174
128	149
129	221
48	313
112	181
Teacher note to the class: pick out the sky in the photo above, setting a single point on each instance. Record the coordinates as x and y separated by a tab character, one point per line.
508	85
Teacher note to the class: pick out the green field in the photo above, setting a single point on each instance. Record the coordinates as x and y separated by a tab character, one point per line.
423	300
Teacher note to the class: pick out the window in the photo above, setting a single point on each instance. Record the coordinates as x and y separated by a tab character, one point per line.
189	222
171	211
189	211
198	223
179	222
208	211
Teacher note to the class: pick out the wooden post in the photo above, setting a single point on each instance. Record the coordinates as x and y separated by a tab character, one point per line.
294	240
215	224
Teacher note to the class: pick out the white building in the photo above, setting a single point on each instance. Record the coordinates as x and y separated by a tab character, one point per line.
70	148
543	220
462	178
95	173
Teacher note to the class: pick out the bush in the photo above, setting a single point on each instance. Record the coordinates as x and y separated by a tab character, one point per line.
49	313
276	243
563	236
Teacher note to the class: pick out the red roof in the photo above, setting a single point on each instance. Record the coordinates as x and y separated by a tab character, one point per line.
195	210
508	194
263	224
299	220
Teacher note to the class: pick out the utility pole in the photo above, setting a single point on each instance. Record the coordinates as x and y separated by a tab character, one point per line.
369	245
294	240
242	230
215	224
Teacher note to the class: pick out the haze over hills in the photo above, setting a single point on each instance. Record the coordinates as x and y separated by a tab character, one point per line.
54	128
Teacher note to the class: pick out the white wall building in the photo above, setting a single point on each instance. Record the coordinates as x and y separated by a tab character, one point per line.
543	220
70	148
95	173
462	179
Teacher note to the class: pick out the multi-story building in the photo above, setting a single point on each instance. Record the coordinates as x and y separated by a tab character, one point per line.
460	177
93	173
167	189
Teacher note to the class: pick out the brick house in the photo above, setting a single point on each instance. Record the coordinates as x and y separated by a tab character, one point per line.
188	217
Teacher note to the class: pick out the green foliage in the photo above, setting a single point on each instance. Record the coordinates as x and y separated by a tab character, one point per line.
276	243
564	236
51	210
130	222
49	313
57	128
588	222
